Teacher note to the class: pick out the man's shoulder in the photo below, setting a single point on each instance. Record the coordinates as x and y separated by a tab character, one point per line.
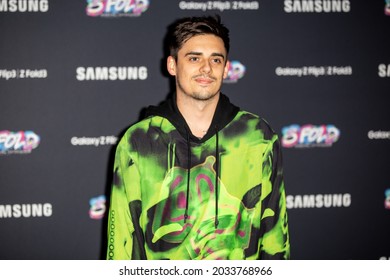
260	122
138	131
249	116
144	125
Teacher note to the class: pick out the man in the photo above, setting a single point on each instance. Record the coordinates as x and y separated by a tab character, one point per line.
198	178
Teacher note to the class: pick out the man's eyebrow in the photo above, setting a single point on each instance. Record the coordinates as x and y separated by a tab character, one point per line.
200	53
193	53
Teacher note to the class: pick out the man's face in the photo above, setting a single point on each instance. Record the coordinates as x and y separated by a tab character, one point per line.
200	68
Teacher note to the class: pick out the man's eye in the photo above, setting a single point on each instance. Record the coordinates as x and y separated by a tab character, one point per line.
217	60
194	58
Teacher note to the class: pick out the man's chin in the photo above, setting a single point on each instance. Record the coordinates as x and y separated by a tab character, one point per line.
204	96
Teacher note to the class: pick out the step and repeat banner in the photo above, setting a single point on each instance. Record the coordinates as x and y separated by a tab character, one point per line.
74	75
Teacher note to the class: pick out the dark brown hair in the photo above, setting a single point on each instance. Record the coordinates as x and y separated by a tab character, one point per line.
184	29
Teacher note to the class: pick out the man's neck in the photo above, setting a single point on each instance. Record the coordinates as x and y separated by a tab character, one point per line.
198	114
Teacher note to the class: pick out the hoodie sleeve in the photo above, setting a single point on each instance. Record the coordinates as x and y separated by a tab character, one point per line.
124	235
275	243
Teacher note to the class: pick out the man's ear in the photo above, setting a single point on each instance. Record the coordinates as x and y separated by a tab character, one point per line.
171	65
226	69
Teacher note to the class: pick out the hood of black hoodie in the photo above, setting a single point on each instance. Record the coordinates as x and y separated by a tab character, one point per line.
224	114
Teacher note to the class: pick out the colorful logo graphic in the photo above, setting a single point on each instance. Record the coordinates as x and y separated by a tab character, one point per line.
22	142
116	8
387	199
170	226
236	72
296	136
97	207
387	7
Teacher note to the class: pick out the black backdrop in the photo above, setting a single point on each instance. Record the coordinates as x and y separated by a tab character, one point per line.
73	77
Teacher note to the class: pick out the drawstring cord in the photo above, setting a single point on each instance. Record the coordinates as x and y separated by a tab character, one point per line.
216	177
188	176
216	222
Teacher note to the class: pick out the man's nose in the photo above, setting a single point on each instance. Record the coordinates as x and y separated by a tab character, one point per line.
206	67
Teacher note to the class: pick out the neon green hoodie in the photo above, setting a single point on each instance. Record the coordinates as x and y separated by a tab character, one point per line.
175	196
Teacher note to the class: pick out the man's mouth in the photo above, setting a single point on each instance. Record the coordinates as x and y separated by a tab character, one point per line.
204	80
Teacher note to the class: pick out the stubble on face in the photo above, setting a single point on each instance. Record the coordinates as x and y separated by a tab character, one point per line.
199	95
201	67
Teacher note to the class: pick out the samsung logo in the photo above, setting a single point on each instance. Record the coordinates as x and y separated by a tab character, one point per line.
384	70
317	6
318	201
26	210
111	73
24	6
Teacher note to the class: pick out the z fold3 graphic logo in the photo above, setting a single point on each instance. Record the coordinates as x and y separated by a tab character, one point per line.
387	199
236	71
308	136
22	142
97	207
116	8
